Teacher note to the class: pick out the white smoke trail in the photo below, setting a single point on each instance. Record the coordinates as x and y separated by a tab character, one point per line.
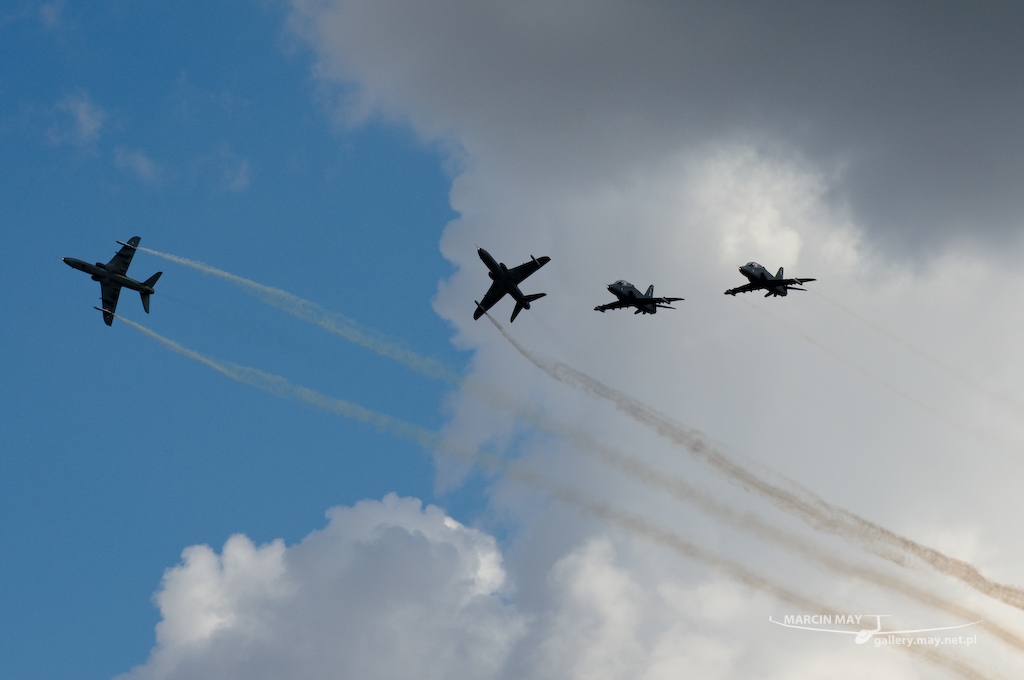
640	526
635	524
332	322
749	522
798	501
346	328
285	389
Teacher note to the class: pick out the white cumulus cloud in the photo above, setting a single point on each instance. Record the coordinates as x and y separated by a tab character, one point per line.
386	590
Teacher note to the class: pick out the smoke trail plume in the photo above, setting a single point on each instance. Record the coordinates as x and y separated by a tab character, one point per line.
332	322
914	349
640	526
349	330
635	524
678	488
758	527
285	389
944	417
798	501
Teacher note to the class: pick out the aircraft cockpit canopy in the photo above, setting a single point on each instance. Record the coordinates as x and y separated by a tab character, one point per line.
753	264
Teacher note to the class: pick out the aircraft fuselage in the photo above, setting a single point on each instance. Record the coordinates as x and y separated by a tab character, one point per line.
757	274
627	292
99	272
499	274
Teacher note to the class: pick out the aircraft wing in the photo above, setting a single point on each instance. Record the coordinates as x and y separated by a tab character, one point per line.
494	293
618	304
518	274
119	263
637	302
790	282
109	293
745	289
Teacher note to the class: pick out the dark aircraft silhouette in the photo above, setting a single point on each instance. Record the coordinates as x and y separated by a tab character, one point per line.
760	279
630	296
507	281
112	278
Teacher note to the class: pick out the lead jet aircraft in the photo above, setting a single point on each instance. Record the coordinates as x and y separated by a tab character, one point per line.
507	281
761	279
112	278
630	296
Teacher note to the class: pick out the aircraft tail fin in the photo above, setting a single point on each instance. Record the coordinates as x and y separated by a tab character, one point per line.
650	291
778	274
527	299
149	283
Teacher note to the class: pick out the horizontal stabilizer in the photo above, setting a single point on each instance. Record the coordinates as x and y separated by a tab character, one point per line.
151	281
527	299
145	301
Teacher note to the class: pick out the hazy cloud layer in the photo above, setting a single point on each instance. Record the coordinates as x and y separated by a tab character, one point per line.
915	107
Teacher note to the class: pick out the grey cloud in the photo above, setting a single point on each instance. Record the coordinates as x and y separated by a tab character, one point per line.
915	107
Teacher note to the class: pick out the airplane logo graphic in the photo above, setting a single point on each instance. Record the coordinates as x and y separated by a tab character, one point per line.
866	634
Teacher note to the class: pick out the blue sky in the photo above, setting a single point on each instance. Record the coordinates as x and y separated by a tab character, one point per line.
117	453
163	521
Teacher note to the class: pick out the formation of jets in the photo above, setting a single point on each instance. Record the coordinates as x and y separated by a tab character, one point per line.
507	281
112	277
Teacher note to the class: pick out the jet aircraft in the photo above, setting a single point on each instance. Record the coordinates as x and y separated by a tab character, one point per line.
761	279
112	278
507	281
630	296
